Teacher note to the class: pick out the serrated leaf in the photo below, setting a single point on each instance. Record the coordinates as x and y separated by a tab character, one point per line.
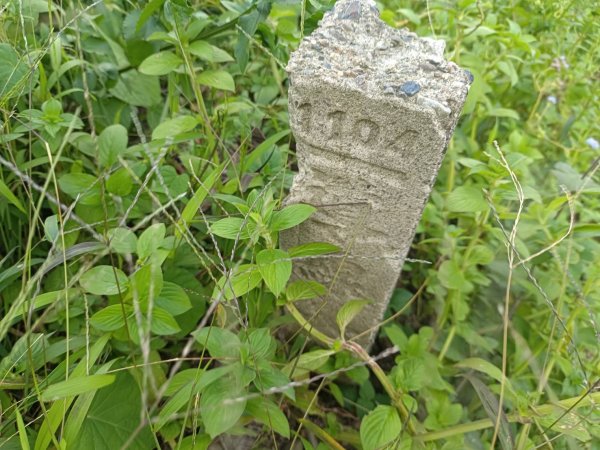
466	199
160	63
112	142
290	216
348	312
275	267
380	427
218	79
173	127
313	249
75	386
104	280
303	290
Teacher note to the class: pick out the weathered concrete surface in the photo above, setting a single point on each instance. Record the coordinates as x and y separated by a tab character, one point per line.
372	109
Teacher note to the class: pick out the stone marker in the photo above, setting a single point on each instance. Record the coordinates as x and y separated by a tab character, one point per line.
372	109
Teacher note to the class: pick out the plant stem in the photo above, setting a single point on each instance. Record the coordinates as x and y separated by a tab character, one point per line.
357	350
521	418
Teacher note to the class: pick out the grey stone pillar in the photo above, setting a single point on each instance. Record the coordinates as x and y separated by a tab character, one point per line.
372	110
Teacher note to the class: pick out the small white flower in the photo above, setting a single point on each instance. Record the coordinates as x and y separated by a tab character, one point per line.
552	99
593	143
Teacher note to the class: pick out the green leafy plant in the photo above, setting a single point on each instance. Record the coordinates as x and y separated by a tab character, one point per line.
145	301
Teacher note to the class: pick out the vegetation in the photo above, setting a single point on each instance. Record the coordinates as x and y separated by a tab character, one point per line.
144	156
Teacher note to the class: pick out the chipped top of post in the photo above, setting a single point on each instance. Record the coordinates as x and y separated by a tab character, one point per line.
354	48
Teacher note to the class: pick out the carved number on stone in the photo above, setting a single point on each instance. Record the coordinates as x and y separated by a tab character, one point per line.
367	131
304	115
335	124
404	140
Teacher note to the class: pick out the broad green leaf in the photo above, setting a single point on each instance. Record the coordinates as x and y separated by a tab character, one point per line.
160	63
466	199
81	406
75	386
56	413
81	185
192	207
137	89
275	267
122	240
13	72
509	70
303	290
104	280
51	228
112	142
218	79
113	417
411	373
219	408
307	362
290	216
269	414
452	276
245	278
233	228
146	283
6	192
380	427
313	249
147	12
569	424
210	53
221	343
111	318
119	182
253	161
348	312
173	127
194	385
163	323
173	299
260	344
150	240
271	377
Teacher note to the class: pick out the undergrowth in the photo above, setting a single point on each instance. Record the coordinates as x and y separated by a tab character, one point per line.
145	303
